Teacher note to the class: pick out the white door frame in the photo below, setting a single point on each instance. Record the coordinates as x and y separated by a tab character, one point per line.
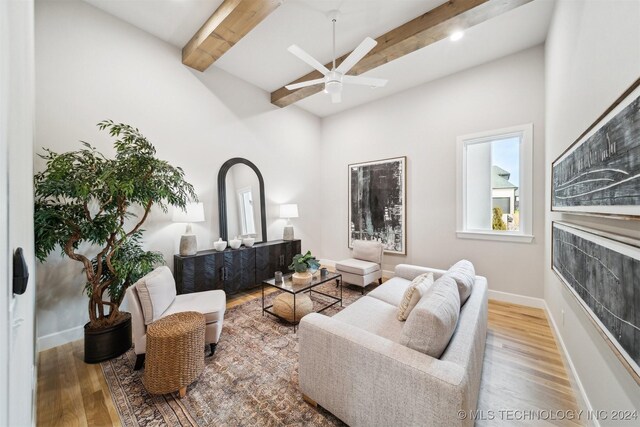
17	313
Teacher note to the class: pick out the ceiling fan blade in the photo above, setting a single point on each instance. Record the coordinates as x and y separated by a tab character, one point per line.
357	54
304	84
304	56
366	81
336	98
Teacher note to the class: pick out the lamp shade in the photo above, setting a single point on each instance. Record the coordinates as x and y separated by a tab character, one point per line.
194	213
289	211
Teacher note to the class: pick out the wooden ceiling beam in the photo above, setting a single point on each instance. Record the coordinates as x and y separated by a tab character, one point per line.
233	20
437	24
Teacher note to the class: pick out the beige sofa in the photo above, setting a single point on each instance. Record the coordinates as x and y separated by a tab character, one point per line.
353	365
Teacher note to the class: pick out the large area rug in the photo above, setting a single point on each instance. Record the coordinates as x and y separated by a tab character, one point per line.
252	380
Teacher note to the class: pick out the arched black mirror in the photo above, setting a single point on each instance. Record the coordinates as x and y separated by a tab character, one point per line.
241	203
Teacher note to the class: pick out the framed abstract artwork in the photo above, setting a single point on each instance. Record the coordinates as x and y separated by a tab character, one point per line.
377	203
602	270
599	173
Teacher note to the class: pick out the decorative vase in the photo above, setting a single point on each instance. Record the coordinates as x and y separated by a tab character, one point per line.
220	245
235	243
303	278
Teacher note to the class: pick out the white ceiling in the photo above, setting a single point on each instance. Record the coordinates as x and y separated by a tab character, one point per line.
261	57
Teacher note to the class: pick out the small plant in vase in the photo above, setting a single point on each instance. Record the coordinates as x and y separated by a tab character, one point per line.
304	266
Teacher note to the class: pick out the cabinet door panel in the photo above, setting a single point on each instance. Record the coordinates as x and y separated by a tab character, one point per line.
211	272
239	270
184	274
297	247
290	250
198	273
267	262
248	270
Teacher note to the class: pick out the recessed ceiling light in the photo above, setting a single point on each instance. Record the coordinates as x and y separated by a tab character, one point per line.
457	36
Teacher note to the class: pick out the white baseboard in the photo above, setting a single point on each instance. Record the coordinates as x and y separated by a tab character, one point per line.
567	358
517	299
60	338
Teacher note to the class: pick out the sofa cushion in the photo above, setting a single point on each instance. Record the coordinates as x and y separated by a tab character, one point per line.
464	275
156	292
210	303
433	321
391	291
373	316
368	251
357	266
419	286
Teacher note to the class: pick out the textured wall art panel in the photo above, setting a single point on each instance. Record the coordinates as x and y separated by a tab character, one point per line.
600	172
603	273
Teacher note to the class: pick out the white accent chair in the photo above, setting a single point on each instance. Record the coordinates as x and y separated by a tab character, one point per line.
154	297
366	265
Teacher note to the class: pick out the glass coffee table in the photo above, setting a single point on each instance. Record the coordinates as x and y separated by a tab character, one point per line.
288	286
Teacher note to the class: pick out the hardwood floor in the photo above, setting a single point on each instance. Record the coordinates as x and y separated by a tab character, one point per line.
523	372
70	392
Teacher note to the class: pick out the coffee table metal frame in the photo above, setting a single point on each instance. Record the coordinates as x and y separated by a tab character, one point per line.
287	286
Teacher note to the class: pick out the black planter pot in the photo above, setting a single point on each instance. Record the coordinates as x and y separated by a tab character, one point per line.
107	343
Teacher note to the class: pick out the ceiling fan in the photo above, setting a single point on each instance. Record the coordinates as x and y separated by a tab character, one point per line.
334	78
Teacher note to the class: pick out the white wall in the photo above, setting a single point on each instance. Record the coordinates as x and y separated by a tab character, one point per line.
592	57
17	312
91	66
423	124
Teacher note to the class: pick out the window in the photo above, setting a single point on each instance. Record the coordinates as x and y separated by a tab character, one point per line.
245	197
494	185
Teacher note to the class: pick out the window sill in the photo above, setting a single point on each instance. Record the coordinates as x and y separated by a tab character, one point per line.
496	236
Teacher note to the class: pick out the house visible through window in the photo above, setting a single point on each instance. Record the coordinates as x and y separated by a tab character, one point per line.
494	185
505	173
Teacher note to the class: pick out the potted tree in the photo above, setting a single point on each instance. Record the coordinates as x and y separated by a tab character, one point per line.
304	266
84	198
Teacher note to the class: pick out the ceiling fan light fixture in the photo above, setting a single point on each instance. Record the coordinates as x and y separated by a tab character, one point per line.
337	75
333	86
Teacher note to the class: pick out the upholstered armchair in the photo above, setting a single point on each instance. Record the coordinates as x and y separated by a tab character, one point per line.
154	297
366	265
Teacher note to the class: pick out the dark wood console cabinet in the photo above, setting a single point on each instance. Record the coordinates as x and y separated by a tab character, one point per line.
233	270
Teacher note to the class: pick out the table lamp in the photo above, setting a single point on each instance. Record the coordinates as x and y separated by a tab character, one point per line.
194	212
288	211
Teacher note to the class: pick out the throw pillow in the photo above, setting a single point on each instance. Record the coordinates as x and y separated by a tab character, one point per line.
418	287
433	321
464	275
156	292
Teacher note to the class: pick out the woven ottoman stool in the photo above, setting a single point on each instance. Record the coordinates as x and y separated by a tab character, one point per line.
283	306
175	353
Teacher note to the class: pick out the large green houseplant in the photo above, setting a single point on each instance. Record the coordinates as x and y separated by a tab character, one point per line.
84	198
